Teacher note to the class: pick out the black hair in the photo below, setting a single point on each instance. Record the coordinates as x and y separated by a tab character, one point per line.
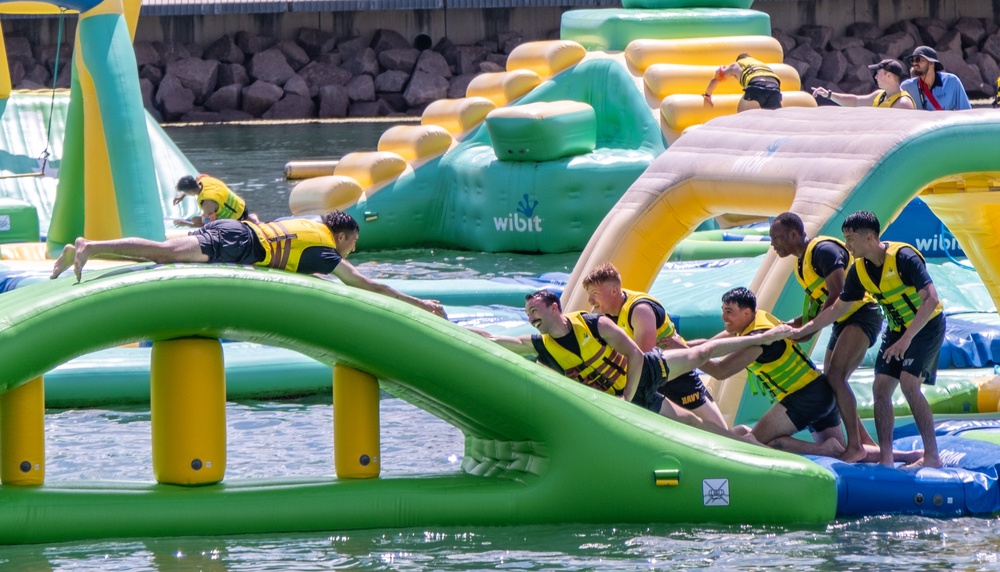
862	221
546	296
741	56
742	297
791	221
339	221
187	183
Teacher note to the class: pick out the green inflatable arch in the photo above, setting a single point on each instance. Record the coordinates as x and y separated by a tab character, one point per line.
539	448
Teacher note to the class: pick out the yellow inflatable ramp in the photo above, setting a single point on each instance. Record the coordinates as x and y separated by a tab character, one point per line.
457	116
370	168
679	112
503	87
546	58
320	195
670	79
416	142
640	54
822	164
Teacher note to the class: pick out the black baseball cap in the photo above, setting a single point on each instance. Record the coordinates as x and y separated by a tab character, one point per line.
891	66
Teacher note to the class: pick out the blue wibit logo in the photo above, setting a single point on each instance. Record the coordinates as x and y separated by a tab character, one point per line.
523	208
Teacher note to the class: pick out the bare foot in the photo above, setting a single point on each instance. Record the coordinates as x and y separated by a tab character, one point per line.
908	457
829	448
926	461
853	454
81	257
64	261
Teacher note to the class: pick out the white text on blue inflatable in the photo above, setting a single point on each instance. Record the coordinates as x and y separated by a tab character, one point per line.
514	222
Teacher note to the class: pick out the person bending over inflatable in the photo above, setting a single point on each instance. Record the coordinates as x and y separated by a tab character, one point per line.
591	349
781	369
761	86
888	76
896	275
215	200
297	245
645	320
821	266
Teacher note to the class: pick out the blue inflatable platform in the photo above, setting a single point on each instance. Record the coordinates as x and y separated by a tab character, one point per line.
965	486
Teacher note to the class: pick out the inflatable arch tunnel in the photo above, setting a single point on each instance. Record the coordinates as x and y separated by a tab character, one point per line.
823	164
532	436
107	180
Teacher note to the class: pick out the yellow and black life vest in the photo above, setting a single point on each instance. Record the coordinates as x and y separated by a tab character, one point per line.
285	241
597	365
887	101
815	285
665	330
787	374
230	204
754	69
899	302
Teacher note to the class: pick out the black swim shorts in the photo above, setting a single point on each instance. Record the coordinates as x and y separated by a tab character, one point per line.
687	391
921	358
231	241
868	318
654	371
767	95
814	406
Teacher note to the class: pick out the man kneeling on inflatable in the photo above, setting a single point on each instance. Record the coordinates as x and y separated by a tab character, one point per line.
593	350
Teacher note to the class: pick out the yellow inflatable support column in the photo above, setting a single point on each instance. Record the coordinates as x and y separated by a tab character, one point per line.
503	87
640	54
546	58
457	116
22	434
320	195
416	142
356	447
370	168
670	79
308	169
188	411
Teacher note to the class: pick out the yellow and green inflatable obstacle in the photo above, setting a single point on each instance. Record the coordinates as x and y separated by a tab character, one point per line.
536	443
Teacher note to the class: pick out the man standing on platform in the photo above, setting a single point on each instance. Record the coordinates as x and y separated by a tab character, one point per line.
896	275
930	86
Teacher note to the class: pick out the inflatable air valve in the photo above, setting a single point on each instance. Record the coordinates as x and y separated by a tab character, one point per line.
22	434
356	447
187	404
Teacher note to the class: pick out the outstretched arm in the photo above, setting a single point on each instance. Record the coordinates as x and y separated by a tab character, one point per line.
829	315
520	345
349	275
732	70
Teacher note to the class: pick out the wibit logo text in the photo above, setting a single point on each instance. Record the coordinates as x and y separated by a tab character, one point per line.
937	242
523	220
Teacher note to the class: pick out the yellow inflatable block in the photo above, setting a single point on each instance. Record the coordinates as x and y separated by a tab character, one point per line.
682	111
320	195
23	251
457	115
308	169
370	168
546	58
641	54
670	79
414	142
503	87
